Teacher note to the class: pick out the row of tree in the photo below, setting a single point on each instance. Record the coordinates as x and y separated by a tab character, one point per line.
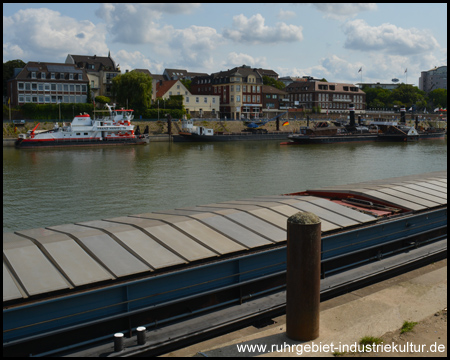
407	95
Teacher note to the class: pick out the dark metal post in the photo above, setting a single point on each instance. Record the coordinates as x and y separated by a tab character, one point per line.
278	124
169	124
303	276
141	335
118	342
403	115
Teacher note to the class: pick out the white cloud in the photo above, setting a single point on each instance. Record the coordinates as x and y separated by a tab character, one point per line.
286	14
46	35
136	60
132	23
388	38
254	31
343	11
12	52
234	59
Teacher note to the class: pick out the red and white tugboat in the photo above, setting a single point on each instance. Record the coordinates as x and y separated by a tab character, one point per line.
112	129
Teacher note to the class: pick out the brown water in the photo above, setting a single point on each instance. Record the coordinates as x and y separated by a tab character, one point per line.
46	187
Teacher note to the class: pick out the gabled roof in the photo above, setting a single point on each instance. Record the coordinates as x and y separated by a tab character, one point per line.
59	69
163	87
92	63
268	72
267	89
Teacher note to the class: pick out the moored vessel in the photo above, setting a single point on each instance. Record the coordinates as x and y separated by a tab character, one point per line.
327	132
115	128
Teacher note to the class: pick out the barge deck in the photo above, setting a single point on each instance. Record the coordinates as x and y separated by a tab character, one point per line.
156	268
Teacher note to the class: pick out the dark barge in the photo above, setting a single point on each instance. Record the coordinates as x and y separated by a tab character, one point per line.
156	268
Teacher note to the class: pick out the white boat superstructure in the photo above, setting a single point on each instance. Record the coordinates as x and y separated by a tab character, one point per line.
113	128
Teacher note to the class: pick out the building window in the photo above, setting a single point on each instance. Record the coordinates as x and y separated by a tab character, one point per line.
205	100
33	75
197	99
34	87
20	86
70	76
238	98
80	76
187	99
42	75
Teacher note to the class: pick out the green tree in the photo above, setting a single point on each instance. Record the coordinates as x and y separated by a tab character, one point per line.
8	72
102	99
272	82
408	95
133	87
437	98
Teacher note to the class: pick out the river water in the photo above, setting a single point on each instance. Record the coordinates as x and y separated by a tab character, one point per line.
46	187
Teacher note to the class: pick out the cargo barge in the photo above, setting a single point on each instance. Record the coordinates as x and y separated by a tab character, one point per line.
155	268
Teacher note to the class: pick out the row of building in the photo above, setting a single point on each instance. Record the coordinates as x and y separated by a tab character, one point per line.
237	93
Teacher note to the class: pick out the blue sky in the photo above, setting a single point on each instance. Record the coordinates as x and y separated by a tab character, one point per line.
308	39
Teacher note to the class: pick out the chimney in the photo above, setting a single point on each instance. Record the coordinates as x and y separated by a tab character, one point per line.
403	115
351	109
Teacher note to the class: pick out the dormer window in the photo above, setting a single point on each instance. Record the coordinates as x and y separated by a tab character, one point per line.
80	76
70	76
42	75
61	75
52	76
33	75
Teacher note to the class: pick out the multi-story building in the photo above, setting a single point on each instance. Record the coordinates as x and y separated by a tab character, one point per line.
239	90
197	106
274	101
433	79
386	86
48	83
100	71
326	97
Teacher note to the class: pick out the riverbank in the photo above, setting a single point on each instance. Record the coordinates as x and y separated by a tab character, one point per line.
158	130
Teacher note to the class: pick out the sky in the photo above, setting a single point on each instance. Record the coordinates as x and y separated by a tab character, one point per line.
323	40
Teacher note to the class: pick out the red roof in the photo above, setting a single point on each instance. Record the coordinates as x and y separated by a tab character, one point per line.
165	86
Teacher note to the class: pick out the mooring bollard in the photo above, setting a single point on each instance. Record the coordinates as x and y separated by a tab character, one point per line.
303	276
118	342
141	335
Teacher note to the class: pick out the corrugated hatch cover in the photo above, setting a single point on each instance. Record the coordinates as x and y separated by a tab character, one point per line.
40	261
